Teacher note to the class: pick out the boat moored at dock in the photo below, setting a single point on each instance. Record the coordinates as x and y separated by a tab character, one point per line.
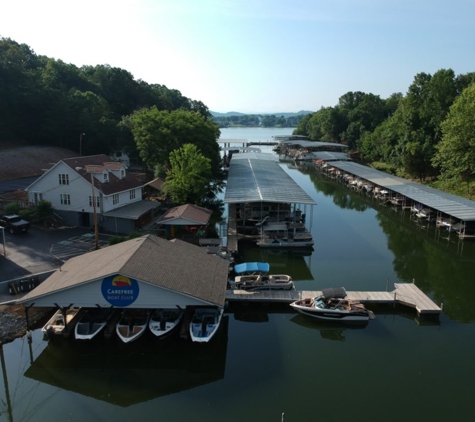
205	323
132	324
333	305
264	282
164	321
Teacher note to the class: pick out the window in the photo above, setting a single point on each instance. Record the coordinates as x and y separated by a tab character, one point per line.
65	198
115	199
132	194
106	177
90	201
122	174
37	197
63	179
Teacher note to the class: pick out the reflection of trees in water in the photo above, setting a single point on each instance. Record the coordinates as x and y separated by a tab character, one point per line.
435	266
342	196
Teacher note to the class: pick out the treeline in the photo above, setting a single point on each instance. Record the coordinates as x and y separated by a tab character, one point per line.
258	120
428	132
46	101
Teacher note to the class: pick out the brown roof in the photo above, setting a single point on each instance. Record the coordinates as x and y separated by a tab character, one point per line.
175	265
193	213
156	183
98	164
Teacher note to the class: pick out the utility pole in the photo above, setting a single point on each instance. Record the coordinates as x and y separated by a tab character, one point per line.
96	232
80	143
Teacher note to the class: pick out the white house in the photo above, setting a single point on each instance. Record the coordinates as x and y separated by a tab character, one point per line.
72	185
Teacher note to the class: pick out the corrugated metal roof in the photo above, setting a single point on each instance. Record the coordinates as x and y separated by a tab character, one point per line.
257	177
455	206
134	210
316	144
331	155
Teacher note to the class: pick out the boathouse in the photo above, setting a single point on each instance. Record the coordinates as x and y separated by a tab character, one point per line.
147	272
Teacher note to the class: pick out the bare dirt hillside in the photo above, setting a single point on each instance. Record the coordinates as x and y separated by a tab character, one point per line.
29	161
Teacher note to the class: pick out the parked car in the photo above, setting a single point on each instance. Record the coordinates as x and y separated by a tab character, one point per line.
14	223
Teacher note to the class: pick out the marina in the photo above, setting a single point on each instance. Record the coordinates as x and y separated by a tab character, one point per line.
262	346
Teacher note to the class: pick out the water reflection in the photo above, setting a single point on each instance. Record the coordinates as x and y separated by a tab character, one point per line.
126	374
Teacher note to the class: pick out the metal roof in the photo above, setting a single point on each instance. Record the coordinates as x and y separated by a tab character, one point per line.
455	206
257	177
331	155
317	144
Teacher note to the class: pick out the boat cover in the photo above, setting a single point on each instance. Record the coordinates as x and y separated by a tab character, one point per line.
334	292
251	267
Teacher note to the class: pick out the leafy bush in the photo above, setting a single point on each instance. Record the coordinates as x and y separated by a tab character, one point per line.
12	208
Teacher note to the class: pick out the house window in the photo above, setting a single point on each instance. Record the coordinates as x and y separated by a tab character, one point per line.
106	177
65	198
132	194
90	201
122	174
37	197
115	199
63	179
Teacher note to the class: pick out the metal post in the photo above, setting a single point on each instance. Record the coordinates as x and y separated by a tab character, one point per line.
4	249
80	143
96	233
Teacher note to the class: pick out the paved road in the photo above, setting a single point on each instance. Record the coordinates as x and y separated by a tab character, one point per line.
39	251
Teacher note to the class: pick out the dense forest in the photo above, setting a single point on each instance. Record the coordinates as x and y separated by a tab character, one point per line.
426	134
44	101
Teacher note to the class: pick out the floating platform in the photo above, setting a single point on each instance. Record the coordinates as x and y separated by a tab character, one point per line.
407	294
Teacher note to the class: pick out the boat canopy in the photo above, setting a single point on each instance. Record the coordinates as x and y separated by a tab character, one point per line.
251	267
334	292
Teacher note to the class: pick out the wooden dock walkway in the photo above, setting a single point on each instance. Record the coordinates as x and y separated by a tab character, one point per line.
407	294
232	244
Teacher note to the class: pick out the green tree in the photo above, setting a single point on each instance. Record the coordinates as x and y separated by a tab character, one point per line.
158	133
456	151
188	178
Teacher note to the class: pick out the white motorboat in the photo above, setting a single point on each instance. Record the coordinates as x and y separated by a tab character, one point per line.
164	321
332	305
205	323
264	282
61	322
91	323
132	324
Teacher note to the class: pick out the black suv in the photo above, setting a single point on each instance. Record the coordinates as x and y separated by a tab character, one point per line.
14	224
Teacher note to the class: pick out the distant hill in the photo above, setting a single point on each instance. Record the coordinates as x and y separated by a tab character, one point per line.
236	113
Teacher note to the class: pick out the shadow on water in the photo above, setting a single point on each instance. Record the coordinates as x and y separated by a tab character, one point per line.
127	374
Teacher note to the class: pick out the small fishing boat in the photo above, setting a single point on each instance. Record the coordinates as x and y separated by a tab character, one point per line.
264	282
132	324
332	305
164	321
61	322
205	323
91	323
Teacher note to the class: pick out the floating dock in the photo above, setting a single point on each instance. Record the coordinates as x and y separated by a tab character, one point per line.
407	294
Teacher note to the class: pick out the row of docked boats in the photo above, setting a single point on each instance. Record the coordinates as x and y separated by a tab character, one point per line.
131	324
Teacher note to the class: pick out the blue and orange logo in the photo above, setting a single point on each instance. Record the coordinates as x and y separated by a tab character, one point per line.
120	290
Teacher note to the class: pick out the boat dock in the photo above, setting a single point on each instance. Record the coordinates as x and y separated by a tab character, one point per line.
407	294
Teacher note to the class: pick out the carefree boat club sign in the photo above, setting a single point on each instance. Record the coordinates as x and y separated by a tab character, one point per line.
120	290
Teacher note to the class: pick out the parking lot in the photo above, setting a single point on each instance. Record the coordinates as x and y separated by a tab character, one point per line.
39	251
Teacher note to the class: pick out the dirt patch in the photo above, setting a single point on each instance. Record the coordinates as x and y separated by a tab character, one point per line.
29	161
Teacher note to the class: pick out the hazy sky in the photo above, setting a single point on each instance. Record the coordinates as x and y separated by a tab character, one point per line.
254	55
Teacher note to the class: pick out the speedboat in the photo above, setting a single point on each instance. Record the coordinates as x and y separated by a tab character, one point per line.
163	321
264	282
205	323
332	305
91	323
61	322
132	324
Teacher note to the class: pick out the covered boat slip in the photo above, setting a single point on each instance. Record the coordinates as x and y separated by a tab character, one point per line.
458	207
257	186
143	273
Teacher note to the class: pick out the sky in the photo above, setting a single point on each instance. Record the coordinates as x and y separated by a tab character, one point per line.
254	56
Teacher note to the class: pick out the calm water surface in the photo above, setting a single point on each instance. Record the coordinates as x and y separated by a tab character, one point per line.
268	360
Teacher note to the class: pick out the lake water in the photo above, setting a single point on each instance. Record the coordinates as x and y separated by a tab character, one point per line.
268	360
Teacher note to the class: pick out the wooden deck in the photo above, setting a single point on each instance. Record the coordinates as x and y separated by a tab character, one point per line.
232	244
407	294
